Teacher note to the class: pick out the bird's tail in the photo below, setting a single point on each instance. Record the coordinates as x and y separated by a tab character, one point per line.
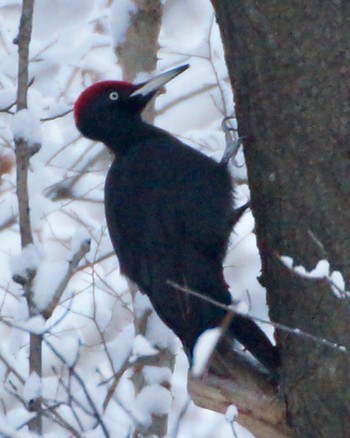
250	335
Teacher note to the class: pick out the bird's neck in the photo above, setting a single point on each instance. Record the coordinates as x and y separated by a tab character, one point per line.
130	135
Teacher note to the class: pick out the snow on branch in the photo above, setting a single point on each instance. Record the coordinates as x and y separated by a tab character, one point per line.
80	380
204	349
48	279
25	265
26	128
321	272
81	248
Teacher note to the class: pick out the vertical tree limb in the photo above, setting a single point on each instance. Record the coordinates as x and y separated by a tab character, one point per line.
138	51
23	154
21	146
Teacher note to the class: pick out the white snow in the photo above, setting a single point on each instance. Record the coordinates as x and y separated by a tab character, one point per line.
338	280
321	272
9	208
26	126
203	350
142	304
7	97
121	12
48	277
11	432
159	335
69	350
103	317
35	324
80	237
32	387
154	374
231	413
26	262
153	399
141	347
241	307
120	348
337	283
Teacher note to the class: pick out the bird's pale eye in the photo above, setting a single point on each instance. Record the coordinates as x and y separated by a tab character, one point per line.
113	95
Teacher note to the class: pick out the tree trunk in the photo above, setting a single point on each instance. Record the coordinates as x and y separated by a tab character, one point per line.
289	66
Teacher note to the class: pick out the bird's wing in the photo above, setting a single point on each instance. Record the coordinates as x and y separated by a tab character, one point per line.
167	218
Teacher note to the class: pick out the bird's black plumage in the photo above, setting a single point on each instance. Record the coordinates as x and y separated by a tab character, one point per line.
169	211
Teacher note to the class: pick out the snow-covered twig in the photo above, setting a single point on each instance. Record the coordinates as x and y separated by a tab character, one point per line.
81	383
73	263
231	417
24	150
50	412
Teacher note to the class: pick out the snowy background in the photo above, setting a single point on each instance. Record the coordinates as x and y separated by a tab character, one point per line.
72	47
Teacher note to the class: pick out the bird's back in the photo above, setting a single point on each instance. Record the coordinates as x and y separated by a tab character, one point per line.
169	211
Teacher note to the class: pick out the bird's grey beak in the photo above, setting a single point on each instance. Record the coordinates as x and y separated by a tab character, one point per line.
158	82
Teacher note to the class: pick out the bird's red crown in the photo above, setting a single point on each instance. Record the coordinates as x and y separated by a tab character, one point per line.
95	90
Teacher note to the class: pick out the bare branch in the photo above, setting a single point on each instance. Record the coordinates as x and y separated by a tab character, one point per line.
23	40
57	116
22	164
72	266
63	189
11	369
293	331
8	222
81	383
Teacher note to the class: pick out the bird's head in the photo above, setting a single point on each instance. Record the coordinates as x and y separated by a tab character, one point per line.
106	106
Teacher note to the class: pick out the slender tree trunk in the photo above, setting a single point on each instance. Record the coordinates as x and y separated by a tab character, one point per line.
23	154
138	53
289	66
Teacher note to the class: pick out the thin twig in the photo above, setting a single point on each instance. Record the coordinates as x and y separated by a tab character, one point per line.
72	266
81	383
8	222
11	369
57	116
276	325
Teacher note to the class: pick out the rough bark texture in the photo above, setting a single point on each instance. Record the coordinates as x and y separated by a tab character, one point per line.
289	66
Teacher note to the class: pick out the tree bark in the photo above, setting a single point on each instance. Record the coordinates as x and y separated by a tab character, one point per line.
23	153
289	67
138	51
